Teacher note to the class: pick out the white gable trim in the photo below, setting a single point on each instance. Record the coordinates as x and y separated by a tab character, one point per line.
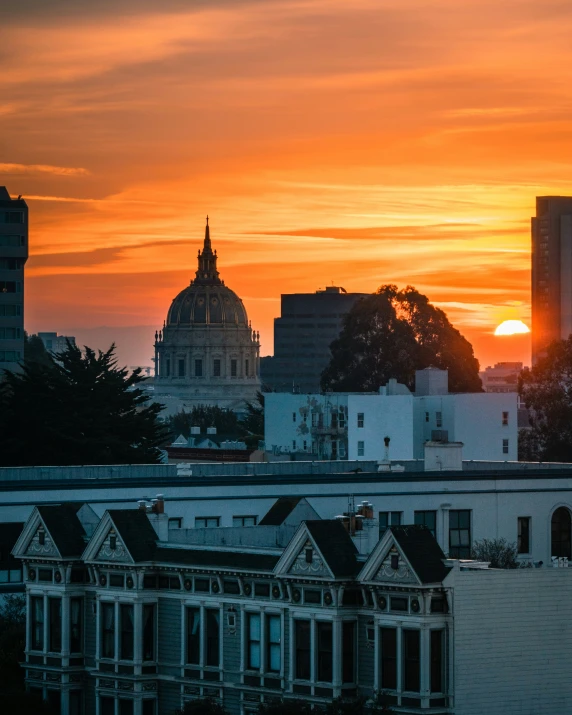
28	533
292	552
379	554
97	540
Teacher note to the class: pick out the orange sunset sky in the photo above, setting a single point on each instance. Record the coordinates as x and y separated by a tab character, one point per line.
358	143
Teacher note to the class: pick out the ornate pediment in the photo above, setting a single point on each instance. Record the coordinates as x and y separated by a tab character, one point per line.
113	549
41	544
309	562
394	568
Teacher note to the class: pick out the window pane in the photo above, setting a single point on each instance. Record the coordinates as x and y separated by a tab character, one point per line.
149	632
389	658
108	630
76	625
126	640
411	664
437	671
37	623
253	640
55	611
348	652
213	637
193	636
324	651
302	634
273	637
125	707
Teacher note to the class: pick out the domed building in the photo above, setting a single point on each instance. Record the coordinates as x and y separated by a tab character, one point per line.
207	352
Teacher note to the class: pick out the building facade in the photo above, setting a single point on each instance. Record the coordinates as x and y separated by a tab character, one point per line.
308	324
206	352
55	343
501	377
123	620
527	504
551	272
353	425
13	257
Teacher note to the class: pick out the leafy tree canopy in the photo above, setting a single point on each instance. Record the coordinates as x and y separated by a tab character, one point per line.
499	552
80	409
393	333
546	389
286	707
203	416
202	706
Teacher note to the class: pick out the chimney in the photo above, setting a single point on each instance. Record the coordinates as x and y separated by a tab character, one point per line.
142	505
159	503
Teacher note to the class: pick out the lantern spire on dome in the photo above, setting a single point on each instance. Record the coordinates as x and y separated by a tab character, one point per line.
206	271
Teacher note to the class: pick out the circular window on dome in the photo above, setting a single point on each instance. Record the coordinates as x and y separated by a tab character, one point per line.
214	301
227	301
200	301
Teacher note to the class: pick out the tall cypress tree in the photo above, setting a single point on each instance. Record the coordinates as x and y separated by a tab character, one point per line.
80	408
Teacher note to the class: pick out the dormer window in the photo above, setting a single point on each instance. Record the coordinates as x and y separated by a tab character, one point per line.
41	537
113	542
395	561
309	556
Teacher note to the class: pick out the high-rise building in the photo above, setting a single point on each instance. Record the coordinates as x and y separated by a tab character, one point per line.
308	324
55	343
551	272
13	256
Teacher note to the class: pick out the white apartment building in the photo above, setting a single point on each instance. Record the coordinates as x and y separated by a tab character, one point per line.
355	425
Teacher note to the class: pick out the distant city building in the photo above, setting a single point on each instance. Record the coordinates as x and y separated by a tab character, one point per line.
352	426
308	324
551	272
55	343
206	352
13	257
502	377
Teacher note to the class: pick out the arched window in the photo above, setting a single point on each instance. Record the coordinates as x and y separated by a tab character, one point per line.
561	532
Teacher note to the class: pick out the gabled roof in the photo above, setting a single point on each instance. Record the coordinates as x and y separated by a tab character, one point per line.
335	545
422	551
136	532
65	528
335	552
279	511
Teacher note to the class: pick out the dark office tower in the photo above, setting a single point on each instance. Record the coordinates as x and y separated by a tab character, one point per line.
551	272
307	325
13	256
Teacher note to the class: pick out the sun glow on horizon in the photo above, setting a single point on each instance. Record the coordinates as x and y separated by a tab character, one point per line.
512	327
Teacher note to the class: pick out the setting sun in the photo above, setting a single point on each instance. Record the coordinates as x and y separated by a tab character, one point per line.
512	327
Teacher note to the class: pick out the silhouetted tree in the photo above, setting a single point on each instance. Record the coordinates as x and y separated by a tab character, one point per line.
80	409
203	416
34	350
202	706
393	333
546	389
499	552
286	707
253	422
12	642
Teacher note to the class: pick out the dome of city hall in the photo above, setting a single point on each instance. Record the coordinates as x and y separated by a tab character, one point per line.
207	301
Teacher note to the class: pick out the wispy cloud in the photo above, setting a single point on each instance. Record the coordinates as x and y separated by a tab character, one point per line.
19	169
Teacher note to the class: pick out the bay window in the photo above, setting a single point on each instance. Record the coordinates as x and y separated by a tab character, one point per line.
437	675
389	658
303	650
253	654
348	651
